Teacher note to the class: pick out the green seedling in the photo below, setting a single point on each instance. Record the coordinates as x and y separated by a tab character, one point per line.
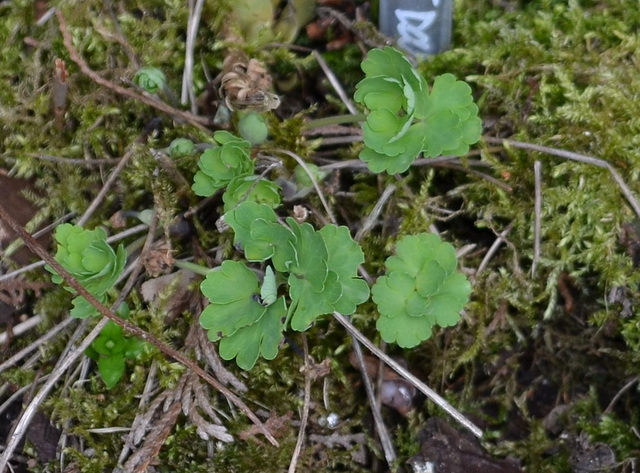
406	119
220	164
91	260
112	348
151	79
320	270
420	289
181	147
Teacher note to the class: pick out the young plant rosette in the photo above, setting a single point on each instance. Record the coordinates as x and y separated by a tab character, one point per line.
406	119
91	260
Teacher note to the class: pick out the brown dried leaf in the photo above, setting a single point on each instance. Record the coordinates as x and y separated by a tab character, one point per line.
181	298
158	259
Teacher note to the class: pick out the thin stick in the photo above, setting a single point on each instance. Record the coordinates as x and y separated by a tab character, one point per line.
581	158
31	409
199	122
51	333
335	83
187	77
305	407
493	249
304	166
619	394
21	328
537	174
358	164
75	162
426	390
128	326
111	179
385	439
373	216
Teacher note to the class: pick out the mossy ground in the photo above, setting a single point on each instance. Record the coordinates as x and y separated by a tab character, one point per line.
560	74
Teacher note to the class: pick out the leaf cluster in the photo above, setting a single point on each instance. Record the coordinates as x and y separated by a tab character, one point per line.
229	164
320	270
91	260
110	350
420	289
406	118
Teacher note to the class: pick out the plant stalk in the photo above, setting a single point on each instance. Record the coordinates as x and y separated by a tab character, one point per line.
336	120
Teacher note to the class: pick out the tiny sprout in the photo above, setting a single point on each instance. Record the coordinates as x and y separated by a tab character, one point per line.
150	79
111	348
181	147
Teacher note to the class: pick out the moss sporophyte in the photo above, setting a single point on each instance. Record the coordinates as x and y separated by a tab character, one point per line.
307	272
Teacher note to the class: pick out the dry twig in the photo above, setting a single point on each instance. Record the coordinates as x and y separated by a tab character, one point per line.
537	173
305	406
581	158
426	390
199	122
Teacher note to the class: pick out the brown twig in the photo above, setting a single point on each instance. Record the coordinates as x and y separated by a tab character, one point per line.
305	407
128	326
199	122
112	178
581	158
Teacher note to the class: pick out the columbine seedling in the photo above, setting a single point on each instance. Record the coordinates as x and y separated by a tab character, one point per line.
406	119
316	271
420	289
150	79
320	270
91	260
112	348
220	164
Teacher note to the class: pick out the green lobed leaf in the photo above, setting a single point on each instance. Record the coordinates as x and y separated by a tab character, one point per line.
91	260
257	230
221	164
233	291
344	257
262	338
311	302
421	288
310	262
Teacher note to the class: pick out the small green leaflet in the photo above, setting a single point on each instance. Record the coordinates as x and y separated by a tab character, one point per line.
269	289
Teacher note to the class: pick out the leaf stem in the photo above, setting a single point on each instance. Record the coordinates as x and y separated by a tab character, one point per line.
196	268
336	120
